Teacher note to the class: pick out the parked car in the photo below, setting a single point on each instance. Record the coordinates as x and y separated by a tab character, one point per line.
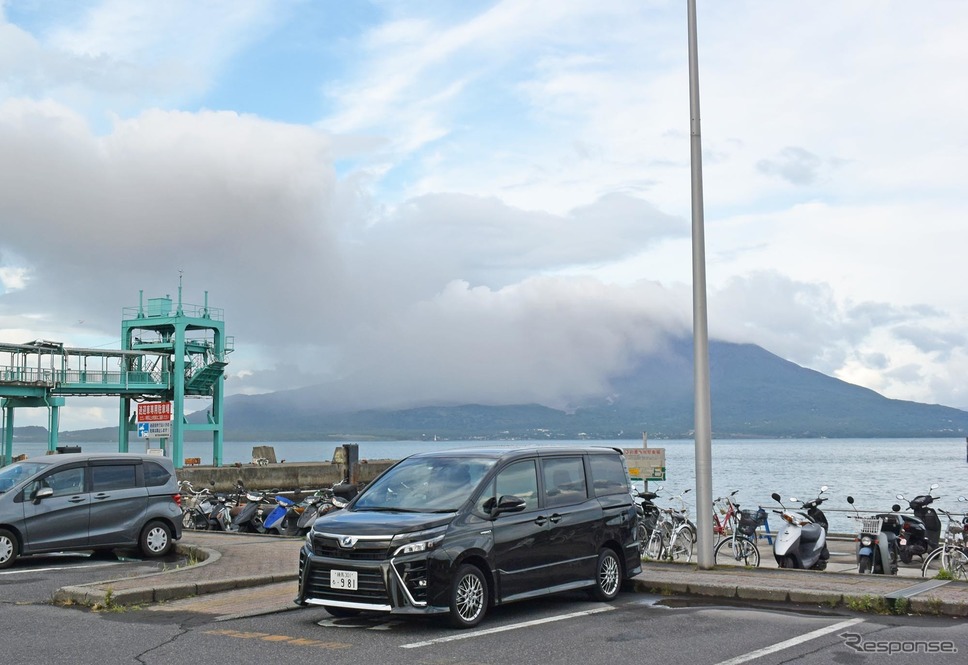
456	532
81	501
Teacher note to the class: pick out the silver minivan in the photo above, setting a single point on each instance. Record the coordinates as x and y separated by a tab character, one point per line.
81	501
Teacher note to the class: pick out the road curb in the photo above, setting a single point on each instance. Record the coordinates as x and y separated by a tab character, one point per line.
102	593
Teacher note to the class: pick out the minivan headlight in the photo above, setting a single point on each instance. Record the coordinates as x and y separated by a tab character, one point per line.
423	544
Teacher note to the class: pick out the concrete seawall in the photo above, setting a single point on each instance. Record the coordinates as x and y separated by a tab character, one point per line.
287	477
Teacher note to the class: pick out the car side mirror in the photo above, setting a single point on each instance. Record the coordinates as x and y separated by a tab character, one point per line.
509	503
43	493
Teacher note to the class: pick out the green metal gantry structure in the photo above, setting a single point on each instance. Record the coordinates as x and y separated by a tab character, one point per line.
191	347
170	352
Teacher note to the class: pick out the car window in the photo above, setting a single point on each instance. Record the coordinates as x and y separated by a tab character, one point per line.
425	484
608	474
519	479
113	477
64	482
155	474
13	474
564	480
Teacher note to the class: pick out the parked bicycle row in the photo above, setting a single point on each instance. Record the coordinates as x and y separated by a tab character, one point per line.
882	541
251	511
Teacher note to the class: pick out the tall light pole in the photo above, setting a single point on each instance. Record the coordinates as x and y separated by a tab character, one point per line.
700	328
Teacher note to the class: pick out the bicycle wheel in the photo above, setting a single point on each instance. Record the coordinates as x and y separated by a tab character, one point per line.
738	552
951	559
654	549
681	547
642	535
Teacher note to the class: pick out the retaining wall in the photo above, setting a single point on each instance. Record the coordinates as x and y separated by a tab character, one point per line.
289	476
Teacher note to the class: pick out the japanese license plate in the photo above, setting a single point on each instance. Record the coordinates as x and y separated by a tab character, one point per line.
343	579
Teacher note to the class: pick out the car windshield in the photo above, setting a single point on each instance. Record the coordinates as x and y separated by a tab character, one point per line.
425	484
13	474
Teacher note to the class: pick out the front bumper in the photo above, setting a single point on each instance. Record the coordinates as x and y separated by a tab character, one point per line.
412	584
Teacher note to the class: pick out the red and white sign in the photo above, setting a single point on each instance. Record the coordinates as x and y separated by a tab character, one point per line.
154	412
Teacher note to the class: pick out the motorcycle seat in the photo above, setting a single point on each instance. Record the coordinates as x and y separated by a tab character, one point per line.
811	533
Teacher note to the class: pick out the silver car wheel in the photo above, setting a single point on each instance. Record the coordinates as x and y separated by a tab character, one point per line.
6	549
157	539
470	597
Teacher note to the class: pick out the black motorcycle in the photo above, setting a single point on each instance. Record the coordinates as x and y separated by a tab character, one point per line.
921	532
648	514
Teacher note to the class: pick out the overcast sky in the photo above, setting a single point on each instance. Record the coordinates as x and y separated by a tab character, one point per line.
488	202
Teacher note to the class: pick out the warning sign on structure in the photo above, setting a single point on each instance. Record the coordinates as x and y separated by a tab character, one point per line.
646	463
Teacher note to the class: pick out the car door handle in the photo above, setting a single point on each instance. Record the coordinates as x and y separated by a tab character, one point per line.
102	495
76	499
541	520
555	518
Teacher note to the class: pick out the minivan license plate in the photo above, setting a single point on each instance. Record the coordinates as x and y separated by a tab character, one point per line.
343	579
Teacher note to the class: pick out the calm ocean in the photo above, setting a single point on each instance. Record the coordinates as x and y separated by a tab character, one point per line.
873	471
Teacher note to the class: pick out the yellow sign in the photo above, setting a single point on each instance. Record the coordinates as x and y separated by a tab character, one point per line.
646	463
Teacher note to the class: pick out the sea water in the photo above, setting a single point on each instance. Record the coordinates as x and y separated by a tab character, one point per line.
873	471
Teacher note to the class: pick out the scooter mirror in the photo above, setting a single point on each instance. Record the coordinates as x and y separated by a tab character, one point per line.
794	499
775	496
895	508
823	488
899	496
934	486
850	499
961	498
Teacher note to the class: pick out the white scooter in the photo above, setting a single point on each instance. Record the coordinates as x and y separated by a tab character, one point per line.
802	542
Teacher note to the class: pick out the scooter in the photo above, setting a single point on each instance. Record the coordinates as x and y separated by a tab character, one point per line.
249	517
802	541
217	515
648	514
274	520
877	542
919	534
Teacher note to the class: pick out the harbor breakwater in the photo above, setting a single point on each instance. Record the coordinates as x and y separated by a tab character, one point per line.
284	477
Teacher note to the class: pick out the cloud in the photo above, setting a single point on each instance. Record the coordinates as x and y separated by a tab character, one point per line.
795	165
488	202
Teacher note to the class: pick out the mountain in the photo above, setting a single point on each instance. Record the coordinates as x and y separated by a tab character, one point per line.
754	394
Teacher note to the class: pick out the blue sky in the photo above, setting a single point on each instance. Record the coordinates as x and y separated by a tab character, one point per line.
488	202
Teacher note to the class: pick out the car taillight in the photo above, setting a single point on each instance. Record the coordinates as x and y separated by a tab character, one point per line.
177	499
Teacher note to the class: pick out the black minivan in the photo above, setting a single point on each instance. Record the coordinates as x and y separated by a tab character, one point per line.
456	532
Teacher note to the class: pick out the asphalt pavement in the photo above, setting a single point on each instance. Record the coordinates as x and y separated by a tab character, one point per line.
230	575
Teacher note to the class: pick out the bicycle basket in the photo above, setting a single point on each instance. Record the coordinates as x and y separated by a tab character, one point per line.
750	519
871	525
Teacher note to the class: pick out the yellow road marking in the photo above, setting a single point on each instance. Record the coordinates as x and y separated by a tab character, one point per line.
269	637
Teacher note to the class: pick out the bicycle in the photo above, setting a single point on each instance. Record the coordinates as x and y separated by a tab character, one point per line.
951	555
674	537
739	548
196	508
724	506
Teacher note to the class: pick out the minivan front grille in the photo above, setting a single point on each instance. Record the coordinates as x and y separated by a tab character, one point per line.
362	550
371	588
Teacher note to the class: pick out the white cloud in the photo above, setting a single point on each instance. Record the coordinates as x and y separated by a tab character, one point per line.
494	204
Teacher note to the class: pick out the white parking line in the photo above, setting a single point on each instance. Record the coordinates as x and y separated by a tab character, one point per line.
501	629
786	644
44	570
